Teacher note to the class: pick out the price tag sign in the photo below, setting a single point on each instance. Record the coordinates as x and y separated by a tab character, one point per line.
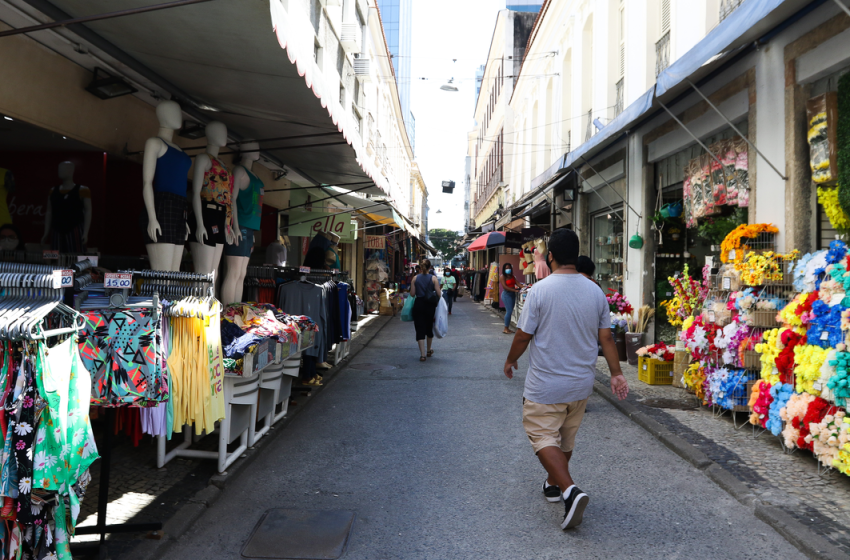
117	281
66	278
304	269
335	270
732	255
824	335
711	316
727	283
51	255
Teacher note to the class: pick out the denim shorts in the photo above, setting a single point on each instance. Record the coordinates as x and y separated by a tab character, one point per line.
242	249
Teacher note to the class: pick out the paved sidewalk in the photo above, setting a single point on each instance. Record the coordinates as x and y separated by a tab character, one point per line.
788	481
141	493
433	459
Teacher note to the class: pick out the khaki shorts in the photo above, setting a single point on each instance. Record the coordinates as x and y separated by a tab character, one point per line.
552	425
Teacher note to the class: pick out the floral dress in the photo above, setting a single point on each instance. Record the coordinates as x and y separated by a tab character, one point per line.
64	442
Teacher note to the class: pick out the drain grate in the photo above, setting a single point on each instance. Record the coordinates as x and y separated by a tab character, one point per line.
370	367
670	403
292	534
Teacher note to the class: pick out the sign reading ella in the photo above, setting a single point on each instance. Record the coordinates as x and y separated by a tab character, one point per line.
308	224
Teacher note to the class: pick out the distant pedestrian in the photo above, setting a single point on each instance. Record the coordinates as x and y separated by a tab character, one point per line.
456	276
426	289
585	267
563	317
448	284
510	288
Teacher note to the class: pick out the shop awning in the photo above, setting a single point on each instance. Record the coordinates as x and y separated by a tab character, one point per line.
234	62
378	210
536	210
428	246
750	20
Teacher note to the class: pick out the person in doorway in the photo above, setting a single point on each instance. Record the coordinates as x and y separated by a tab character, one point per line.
510	288
563	317
426	289
448	284
10	240
457	277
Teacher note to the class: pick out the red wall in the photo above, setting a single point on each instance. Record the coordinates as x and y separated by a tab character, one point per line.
116	189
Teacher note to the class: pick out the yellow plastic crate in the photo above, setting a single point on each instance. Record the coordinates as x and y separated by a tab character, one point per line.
655	372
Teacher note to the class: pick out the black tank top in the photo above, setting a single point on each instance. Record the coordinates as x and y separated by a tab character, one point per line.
66	210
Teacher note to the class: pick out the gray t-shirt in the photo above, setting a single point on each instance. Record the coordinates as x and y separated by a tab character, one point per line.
564	312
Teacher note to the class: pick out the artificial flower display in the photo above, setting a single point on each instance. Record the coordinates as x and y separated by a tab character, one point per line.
690	294
826	437
825	325
729	340
828	198
792	415
734	241
769	350
728	387
693	378
786	360
797	312
780	393
617	303
809	360
761	403
839	384
757	269
842	463
803	272
658	351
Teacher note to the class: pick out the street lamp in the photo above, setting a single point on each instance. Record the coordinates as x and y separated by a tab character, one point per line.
449	86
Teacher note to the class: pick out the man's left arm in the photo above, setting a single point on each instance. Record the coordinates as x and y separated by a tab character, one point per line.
518	348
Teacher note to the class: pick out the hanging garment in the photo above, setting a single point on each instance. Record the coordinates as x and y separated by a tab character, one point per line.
249	202
304	298
541	269
121	351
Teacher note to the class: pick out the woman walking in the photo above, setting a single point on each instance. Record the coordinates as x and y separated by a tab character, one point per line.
448	284
426	288
510	288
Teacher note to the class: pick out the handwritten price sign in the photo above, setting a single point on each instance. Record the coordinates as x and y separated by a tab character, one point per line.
117	281
50	255
304	269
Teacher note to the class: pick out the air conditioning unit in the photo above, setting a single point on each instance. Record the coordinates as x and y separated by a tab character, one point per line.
361	69
331	2
350	37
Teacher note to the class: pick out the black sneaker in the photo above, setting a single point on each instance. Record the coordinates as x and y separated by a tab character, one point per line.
551	493
574	508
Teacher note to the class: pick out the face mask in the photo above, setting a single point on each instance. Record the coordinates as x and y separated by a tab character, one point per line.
508	270
447	274
8	244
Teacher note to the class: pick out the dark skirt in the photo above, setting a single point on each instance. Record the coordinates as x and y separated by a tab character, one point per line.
423	318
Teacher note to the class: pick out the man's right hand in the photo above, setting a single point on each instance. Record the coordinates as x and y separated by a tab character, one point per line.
619	386
509	369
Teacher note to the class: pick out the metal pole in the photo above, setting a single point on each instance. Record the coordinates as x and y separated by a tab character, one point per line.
626	202
700	142
99	17
246	141
843	7
735	128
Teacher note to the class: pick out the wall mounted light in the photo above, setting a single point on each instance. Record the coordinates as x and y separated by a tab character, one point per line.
106	86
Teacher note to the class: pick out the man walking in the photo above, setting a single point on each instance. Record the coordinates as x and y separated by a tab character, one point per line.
564	316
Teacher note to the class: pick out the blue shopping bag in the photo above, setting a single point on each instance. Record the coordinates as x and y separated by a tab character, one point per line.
407	310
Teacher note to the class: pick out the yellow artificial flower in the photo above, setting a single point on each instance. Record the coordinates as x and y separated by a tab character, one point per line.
828	197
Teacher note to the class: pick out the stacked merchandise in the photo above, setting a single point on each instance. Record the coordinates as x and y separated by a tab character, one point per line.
711	182
246	325
377	273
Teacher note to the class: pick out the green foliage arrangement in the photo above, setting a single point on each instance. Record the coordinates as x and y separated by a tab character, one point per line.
715	230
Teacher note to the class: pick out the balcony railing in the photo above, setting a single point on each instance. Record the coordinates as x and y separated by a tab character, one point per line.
618	108
727	7
662	54
489	189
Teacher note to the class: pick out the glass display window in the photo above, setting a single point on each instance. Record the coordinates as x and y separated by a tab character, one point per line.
607	251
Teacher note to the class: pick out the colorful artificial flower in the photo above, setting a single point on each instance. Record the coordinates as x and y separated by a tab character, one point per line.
780	393
743	231
658	351
809	360
828	198
617	303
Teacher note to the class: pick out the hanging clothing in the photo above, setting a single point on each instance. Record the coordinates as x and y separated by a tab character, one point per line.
172	171
541	269
249	202
305	298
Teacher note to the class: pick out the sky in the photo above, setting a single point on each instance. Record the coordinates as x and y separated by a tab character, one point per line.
444	30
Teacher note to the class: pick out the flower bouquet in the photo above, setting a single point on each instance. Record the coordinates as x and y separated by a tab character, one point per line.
733	242
658	351
617	303
688	297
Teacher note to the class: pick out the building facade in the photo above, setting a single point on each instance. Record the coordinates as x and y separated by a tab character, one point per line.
397	18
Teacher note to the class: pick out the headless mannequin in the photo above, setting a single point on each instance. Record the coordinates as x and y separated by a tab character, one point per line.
207	258
163	256
66	173
231	289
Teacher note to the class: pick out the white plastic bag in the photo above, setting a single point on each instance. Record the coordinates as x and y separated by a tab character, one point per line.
441	319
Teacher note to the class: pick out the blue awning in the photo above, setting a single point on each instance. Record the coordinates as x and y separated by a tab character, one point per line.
744	20
622	121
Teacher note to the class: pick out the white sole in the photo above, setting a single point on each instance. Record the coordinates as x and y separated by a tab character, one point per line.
576	512
553	500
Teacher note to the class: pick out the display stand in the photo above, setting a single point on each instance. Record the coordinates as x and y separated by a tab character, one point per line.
340	352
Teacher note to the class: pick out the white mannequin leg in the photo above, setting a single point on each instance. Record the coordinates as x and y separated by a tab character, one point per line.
231	290
206	258
162	256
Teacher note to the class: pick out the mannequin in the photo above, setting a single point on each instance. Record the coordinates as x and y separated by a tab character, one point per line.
248	204
165	170
68	213
213	223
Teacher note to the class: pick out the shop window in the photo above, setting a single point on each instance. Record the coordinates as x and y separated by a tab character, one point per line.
607	249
